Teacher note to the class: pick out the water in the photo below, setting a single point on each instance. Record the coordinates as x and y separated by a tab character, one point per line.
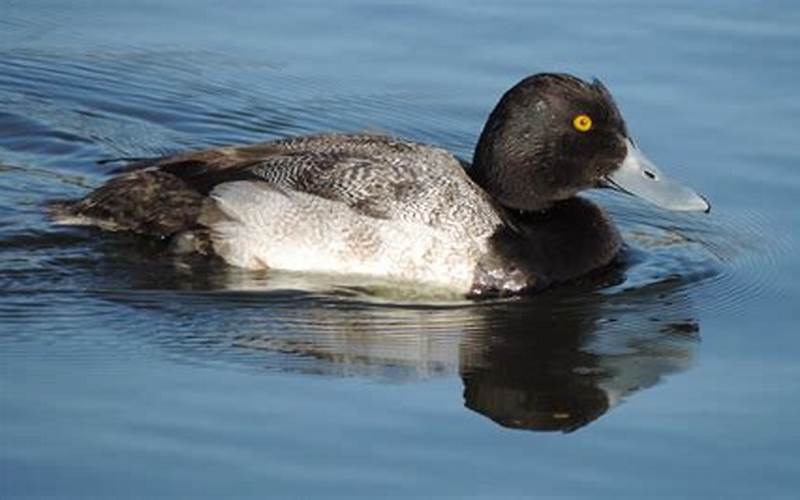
126	373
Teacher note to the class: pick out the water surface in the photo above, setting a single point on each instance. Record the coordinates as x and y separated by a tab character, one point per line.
127	373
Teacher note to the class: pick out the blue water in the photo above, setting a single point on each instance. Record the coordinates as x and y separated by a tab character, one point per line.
126	373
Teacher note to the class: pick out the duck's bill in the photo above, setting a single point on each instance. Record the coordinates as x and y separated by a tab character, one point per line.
638	176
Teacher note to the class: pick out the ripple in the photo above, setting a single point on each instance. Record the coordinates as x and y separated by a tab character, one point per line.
726	258
150	102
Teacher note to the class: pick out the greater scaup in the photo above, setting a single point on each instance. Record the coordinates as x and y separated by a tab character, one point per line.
376	205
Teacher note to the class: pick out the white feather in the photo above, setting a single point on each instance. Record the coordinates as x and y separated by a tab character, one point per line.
263	227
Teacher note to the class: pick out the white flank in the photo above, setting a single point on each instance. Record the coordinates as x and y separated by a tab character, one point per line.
263	227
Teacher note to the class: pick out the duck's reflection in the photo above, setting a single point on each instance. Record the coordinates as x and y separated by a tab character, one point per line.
552	362
555	361
561	371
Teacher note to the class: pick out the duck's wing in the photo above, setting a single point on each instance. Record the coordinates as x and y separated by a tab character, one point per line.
364	183
376	176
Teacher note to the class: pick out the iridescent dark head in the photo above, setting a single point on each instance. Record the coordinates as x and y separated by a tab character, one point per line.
553	135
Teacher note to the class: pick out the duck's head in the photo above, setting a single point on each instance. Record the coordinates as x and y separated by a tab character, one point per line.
553	135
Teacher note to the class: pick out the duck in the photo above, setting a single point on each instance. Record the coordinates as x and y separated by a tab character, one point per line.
374	205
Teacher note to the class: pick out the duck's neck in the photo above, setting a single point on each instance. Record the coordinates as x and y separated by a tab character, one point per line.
512	195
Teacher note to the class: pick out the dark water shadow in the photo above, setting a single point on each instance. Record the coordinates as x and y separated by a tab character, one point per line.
561	361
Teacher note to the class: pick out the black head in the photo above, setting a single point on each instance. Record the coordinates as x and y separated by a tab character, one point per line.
549	137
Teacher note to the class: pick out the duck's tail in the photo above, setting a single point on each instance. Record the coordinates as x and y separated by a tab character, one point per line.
147	201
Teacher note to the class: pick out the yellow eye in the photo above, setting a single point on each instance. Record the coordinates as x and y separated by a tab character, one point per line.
582	123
